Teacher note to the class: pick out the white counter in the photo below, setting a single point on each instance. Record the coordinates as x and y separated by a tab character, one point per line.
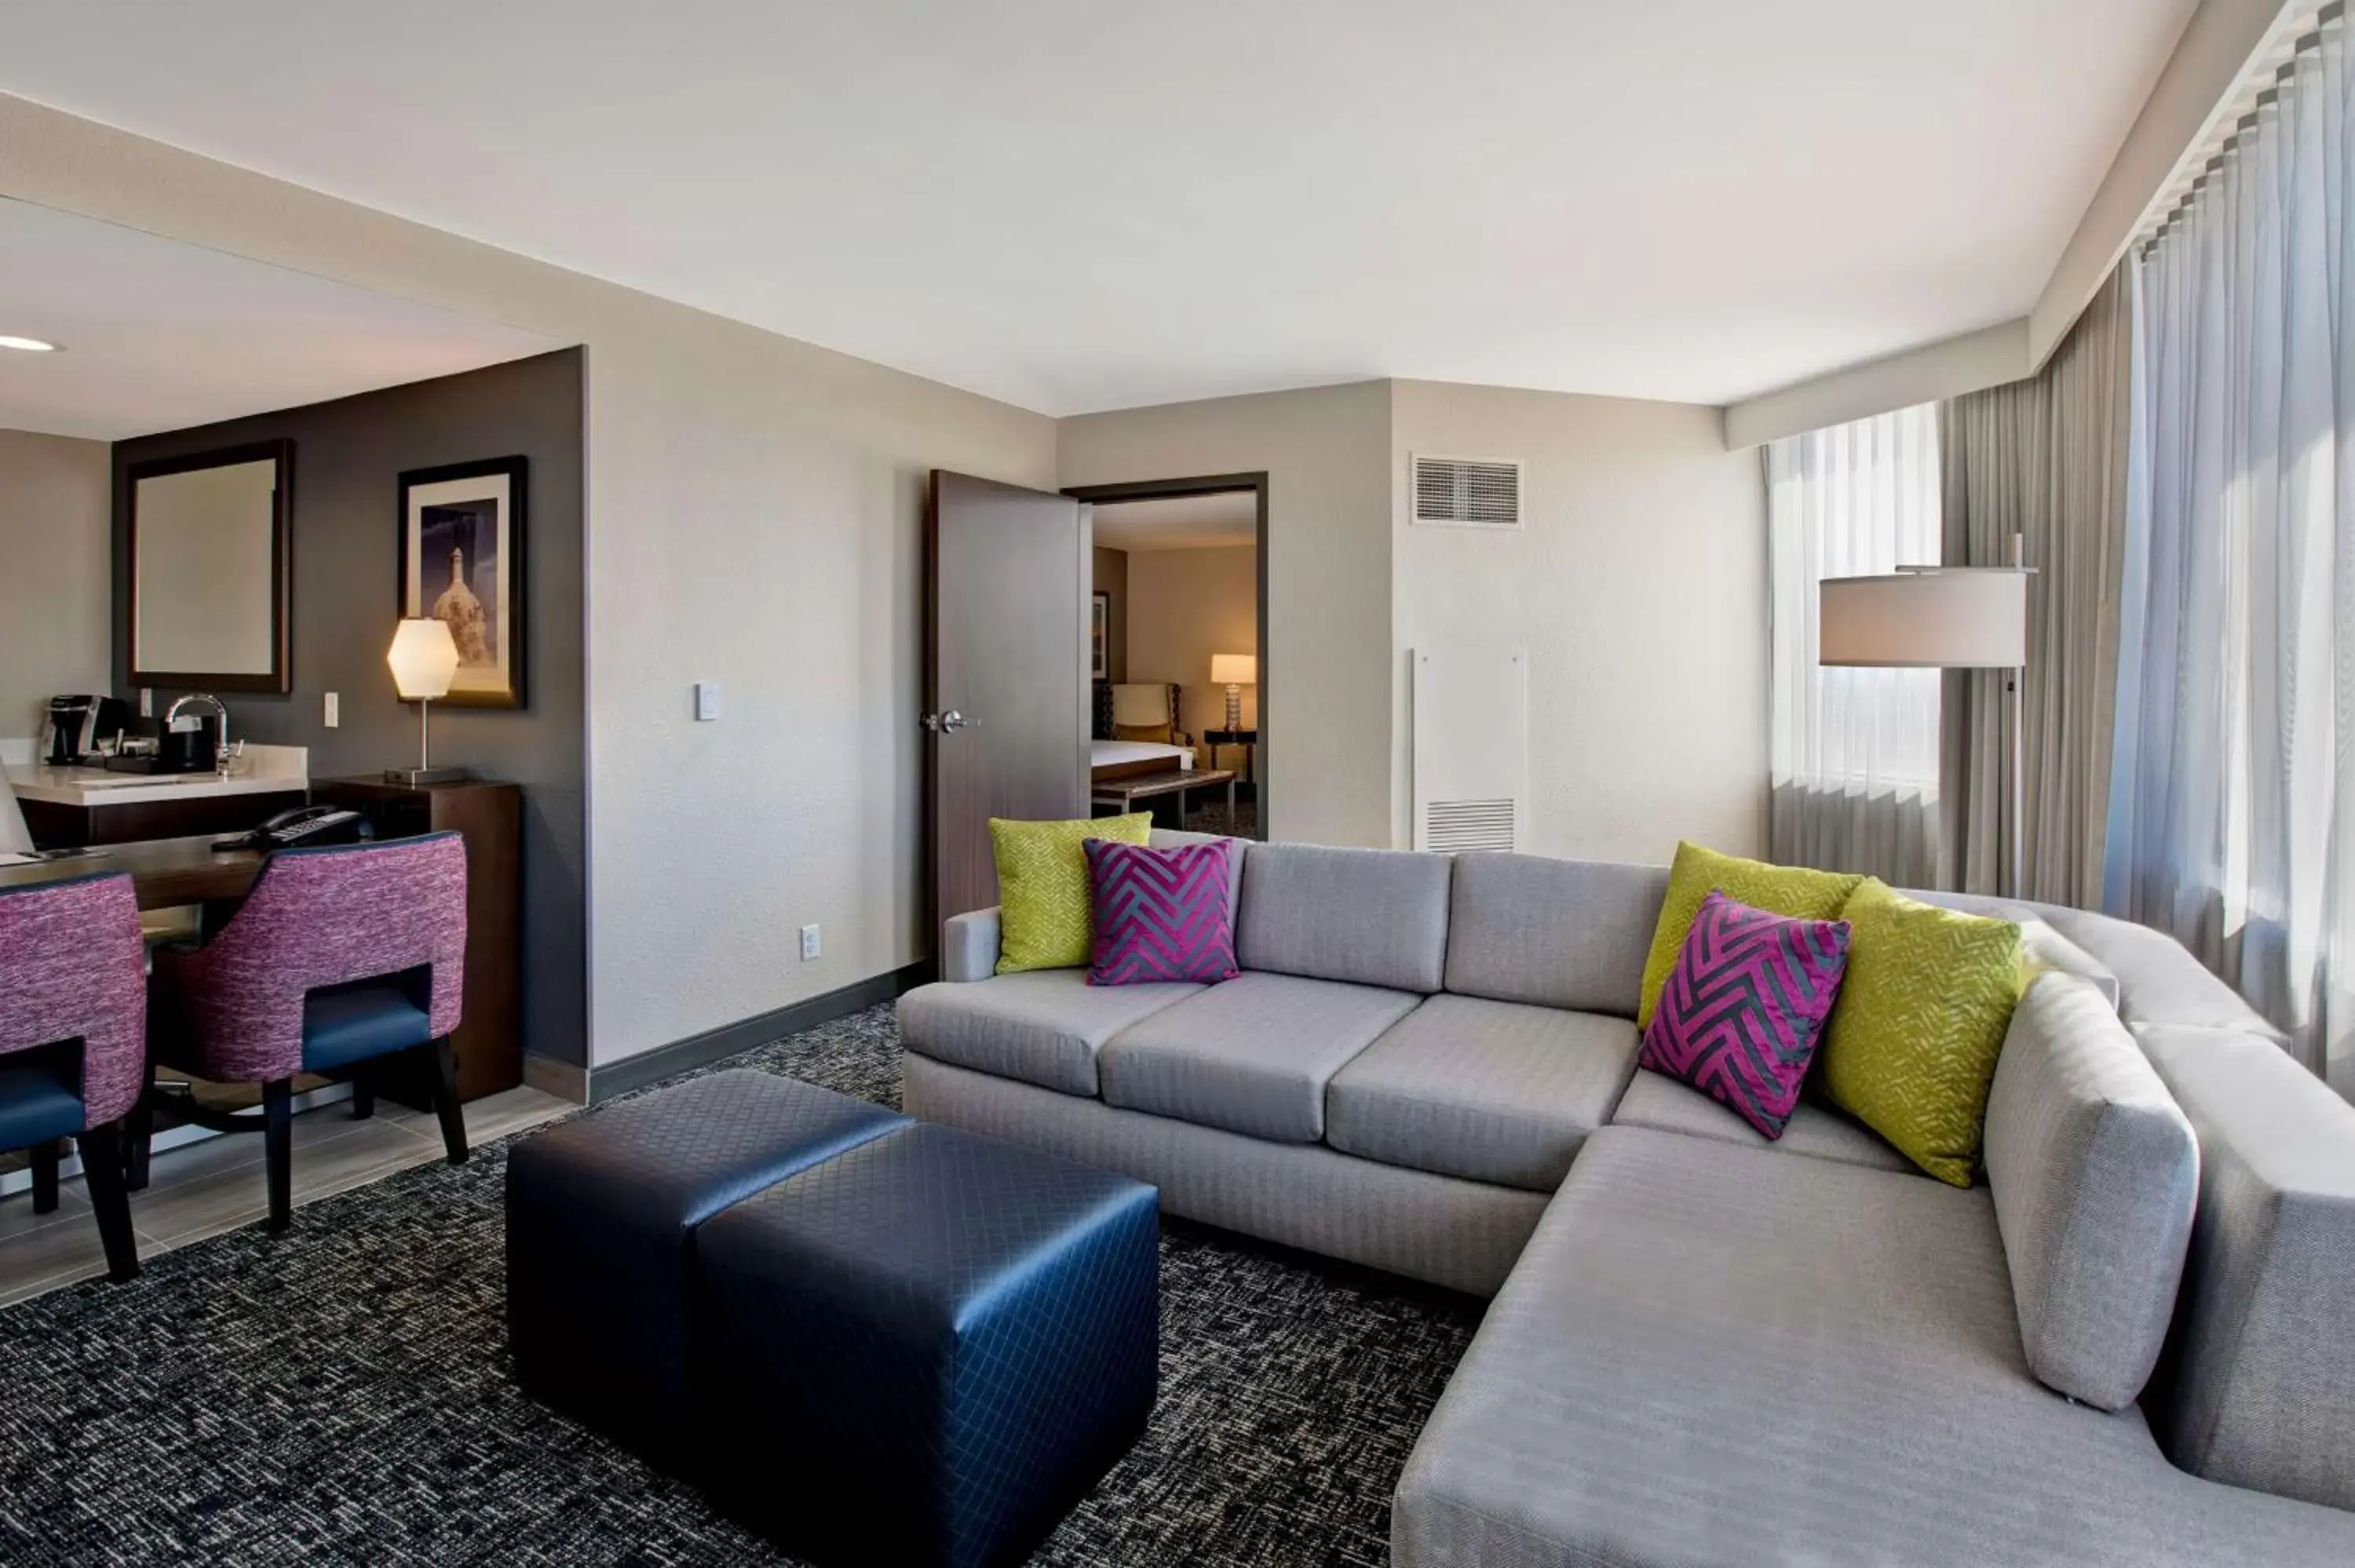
264	770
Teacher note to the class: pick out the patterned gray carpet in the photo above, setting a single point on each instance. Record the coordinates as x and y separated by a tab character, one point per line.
341	1395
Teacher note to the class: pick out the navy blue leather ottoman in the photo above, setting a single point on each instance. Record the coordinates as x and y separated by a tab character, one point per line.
924	1350
601	1217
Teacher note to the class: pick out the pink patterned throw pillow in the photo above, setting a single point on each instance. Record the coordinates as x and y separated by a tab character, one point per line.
1743	1011
1160	914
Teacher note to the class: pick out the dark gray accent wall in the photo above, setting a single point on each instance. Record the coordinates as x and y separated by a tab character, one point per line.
348	456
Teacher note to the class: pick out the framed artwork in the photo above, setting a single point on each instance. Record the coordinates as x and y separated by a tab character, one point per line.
462	561
1100	639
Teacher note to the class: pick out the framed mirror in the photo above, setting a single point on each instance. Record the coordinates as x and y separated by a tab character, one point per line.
210	540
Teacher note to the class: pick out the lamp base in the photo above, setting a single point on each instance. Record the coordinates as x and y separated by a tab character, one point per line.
413	777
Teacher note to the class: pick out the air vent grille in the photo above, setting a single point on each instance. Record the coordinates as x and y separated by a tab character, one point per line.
1467	493
1456	827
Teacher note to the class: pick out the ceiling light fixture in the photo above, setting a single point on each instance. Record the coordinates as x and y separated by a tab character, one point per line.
29	345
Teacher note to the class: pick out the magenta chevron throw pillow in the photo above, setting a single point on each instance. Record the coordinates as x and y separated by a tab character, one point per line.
1743	1011
1161	914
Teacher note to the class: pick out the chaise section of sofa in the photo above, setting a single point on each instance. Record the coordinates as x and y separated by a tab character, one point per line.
1712	1354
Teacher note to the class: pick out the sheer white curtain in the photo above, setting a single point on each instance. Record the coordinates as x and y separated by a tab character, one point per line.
2232	792
1854	752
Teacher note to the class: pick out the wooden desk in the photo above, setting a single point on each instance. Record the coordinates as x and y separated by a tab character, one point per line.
164	872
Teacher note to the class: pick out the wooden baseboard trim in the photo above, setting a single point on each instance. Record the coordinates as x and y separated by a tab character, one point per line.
702	1050
565	1080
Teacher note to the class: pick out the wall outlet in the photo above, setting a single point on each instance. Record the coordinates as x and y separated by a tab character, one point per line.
809	943
706	701
146	701
335	711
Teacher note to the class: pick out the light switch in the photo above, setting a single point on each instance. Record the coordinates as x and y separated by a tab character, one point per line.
706	701
334	714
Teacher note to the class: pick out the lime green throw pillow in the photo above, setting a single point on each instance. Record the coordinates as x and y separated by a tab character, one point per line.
1792	890
1911	1047
1046	920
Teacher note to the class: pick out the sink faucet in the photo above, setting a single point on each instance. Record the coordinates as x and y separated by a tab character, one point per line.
220	710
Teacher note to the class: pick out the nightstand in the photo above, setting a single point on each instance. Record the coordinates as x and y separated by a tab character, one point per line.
1246	739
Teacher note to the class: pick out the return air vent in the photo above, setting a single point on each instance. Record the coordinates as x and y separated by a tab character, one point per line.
1471	748
1450	827
1467	493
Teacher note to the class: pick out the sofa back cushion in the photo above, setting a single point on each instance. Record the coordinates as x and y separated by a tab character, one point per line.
1552	933
2094	1172
2258	1389
1360	916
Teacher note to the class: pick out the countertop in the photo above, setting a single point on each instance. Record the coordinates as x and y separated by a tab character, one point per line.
264	770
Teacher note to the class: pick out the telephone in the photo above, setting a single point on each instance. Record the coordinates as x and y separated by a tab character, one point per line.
303	827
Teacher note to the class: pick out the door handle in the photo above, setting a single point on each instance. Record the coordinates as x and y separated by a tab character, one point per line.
948	723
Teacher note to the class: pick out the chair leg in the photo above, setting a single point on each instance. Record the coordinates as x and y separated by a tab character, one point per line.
101	1163
139	1135
363	1094
44	1157
278	1150
445	1101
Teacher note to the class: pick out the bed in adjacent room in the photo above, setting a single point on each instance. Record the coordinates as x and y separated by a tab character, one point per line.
1129	759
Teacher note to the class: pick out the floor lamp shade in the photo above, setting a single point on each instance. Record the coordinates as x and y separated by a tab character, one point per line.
1958	618
1945	617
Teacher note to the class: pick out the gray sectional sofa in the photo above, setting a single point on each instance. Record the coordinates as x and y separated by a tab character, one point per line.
1703	1347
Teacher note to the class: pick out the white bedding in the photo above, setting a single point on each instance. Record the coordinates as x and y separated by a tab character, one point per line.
1112	753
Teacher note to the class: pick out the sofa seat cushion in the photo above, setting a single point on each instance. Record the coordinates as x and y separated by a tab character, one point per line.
1708	1354
1043	1027
1490	1090
1252	1055
1667	1106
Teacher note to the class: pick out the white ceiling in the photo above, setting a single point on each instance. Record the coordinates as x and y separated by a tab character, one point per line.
1076	206
1179	523
156	336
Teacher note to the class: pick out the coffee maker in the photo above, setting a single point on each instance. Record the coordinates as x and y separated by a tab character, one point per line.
77	724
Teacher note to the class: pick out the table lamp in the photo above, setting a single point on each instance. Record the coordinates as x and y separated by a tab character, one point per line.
1235	671
1941	617
424	660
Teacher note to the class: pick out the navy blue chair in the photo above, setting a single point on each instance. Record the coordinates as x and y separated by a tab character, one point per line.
339	960
74	1017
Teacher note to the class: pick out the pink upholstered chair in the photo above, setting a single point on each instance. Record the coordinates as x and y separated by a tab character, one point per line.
339	958
73	1016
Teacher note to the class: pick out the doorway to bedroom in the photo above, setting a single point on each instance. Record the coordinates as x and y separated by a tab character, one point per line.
1177	651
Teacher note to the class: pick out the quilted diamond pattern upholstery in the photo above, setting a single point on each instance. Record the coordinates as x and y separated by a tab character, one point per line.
601	1212
926	1349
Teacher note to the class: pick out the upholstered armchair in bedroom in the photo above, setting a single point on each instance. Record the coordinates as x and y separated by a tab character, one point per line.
1143	710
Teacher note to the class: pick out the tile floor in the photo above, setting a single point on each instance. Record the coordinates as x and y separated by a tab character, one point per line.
207	1188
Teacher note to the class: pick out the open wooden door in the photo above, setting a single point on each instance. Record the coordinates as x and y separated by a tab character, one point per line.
1007	574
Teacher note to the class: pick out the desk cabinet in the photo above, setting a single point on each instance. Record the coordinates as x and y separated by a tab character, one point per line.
490	817
54	826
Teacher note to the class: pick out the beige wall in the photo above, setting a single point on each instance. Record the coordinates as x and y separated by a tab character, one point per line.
753	518
56	557
1112	580
1184	606
1638	589
1326	454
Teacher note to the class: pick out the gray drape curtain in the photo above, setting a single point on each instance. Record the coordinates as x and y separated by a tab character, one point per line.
2044	459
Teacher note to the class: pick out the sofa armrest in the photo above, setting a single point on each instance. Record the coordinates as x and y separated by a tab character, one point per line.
2263	1387
969	946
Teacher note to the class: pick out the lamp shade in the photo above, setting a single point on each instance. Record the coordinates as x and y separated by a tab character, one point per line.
423	659
1234	670
1952	618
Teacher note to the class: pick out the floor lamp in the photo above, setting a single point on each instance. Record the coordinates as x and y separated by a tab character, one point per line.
1940	617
